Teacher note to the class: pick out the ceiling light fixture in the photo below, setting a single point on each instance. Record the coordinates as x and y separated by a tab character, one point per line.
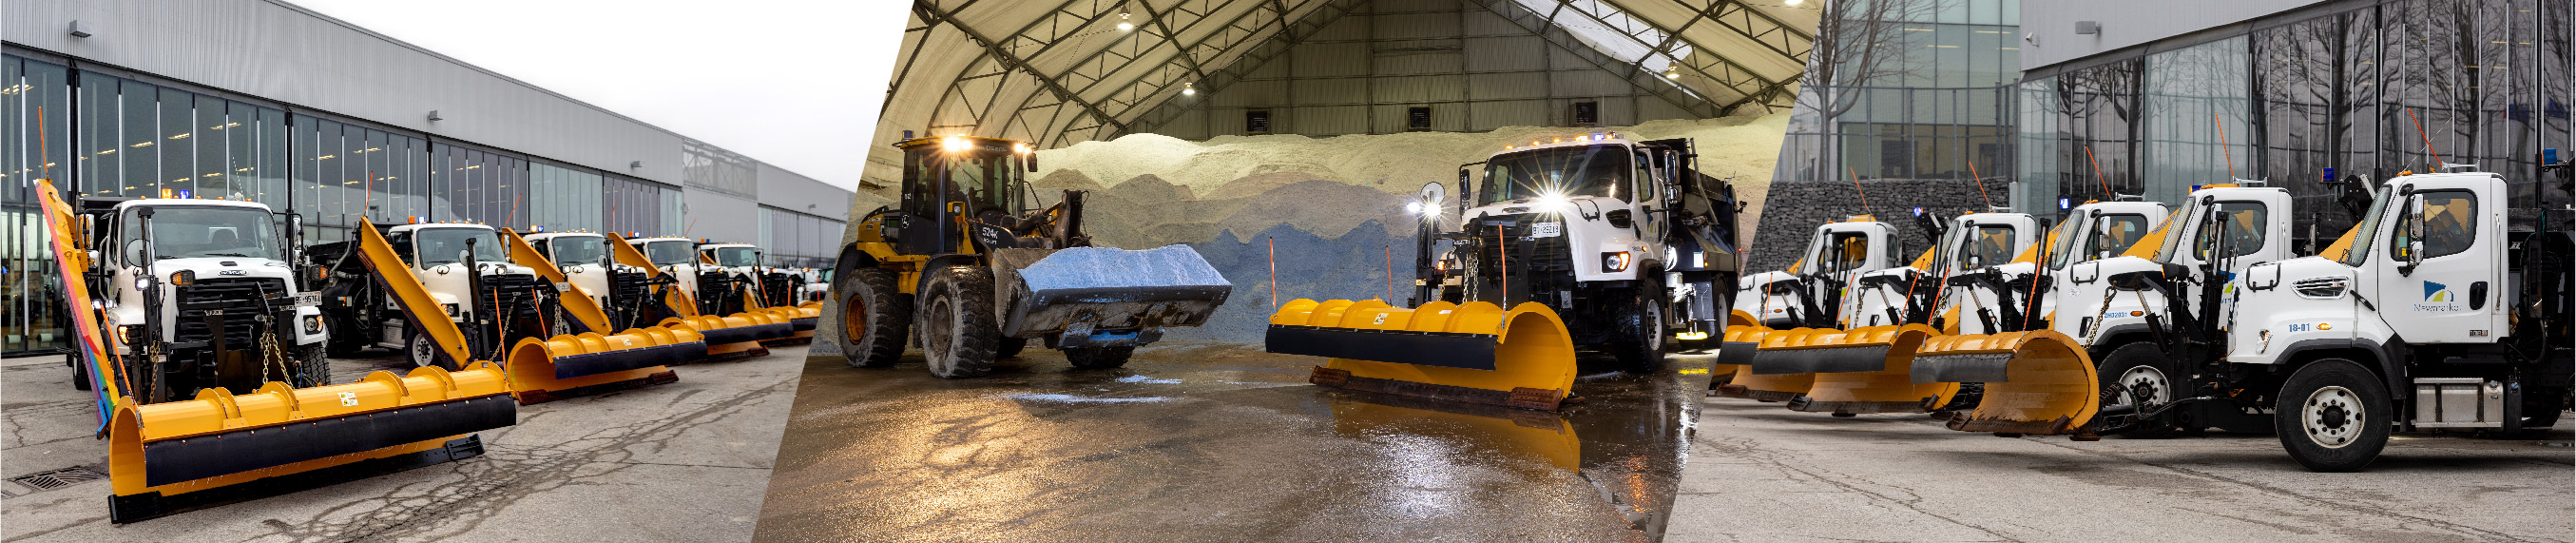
1123	25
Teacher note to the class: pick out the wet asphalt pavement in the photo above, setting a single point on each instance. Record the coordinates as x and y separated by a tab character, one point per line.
1218	442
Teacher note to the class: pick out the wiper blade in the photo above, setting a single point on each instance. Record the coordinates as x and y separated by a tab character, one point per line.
229	254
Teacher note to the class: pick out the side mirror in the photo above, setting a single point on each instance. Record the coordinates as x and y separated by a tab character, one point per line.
134	253
1033	162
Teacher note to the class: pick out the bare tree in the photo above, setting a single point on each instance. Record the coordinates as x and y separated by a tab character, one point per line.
1858	43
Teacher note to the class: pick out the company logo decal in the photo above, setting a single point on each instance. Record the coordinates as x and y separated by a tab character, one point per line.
2440	296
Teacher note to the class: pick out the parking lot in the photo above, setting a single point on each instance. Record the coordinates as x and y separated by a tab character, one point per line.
687	461
1762	473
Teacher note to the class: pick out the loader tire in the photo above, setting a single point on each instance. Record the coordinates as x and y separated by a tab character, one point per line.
958	334
1010	347
2141	370
312	367
875	318
1639	343
2333	415
1094	358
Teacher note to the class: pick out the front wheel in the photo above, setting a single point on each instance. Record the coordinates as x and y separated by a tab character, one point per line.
1639	344
875	321
958	335
423	352
312	367
2142	378
2333	416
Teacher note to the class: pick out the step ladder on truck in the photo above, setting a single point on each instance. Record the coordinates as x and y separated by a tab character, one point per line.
1577	237
969	263
170	297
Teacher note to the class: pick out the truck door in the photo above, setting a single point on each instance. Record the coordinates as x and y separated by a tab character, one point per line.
2439	268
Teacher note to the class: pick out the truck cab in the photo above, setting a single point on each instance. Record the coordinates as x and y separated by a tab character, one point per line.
1583	226
1965	244
1811	293
678	259
586	261
229	299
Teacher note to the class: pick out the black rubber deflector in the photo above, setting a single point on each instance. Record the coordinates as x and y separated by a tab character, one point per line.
1444	349
802	323
1960	368
152	505
739	334
567	367
1820	360
189	459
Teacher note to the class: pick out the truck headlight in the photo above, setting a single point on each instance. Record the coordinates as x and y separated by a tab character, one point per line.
183	277
313	324
1614	261
125	334
451	309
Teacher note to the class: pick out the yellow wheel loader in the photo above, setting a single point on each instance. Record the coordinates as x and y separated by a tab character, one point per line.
463	291
972	268
238	436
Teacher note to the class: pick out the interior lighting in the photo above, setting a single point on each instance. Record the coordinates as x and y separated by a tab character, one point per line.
1188	89
1123	25
1790	2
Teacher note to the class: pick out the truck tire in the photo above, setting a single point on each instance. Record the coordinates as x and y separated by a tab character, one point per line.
1639	342
424	353
1010	347
80	372
312	367
1094	358
958	335
344	343
2143	370
2333	416
875	320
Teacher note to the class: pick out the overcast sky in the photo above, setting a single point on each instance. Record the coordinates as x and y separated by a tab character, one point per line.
788	82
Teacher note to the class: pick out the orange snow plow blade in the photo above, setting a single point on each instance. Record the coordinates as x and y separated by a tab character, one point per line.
533	377
1862	370
1476	352
1743	343
1731	356
2036	382
729	336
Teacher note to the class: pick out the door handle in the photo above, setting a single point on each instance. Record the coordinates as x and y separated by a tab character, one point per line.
2477	296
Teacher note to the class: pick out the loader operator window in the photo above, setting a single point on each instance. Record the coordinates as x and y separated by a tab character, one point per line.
1599	170
2244	222
2448	226
983	181
443	245
207	231
1844	251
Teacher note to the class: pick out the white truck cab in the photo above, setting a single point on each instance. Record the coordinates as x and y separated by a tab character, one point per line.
1968	243
439	254
676	257
585	260
223	273
1838	255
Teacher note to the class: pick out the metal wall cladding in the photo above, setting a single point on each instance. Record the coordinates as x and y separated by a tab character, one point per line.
1504	86
1445	117
1508	53
1415	89
279	52
787	190
1329	59
1486	23
1497	114
1416	57
1400	26
1586	83
1327	120
732	217
1327	91
1252	93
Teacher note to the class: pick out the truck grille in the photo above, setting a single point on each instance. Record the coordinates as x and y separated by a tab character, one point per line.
240	298
716	294
516	292
778	290
2321	287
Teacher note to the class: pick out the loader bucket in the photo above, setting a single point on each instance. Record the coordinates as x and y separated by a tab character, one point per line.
1099	296
1737	352
1475	353
2036	382
1862	370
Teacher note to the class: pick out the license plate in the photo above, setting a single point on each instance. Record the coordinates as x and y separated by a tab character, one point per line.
308	299
563	287
1547	230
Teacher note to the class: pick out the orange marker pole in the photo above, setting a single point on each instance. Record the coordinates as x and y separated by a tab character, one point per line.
2097	170
2222	144
1274	273
2428	139
1504	250
1864	195
1981	184
1390	271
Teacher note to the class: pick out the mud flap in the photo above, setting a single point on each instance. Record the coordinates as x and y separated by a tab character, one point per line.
2036	382
1476	353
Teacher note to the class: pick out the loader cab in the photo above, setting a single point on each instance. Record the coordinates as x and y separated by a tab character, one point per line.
945	178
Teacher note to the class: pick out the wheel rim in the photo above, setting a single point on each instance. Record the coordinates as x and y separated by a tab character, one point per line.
1655	330
854	318
420	355
2332	417
2146	384
934	341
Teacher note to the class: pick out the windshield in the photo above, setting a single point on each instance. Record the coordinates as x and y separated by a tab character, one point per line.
986	181
1986	245
668	252
2108	236
1599	170
443	245
575	249
2363	233
1843	251
737	256
203	231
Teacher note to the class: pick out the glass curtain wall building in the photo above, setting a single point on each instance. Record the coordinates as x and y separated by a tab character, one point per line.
108	132
1922	89
2307	100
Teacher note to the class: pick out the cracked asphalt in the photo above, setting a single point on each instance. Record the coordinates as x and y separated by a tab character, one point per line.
1759	472
686	461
